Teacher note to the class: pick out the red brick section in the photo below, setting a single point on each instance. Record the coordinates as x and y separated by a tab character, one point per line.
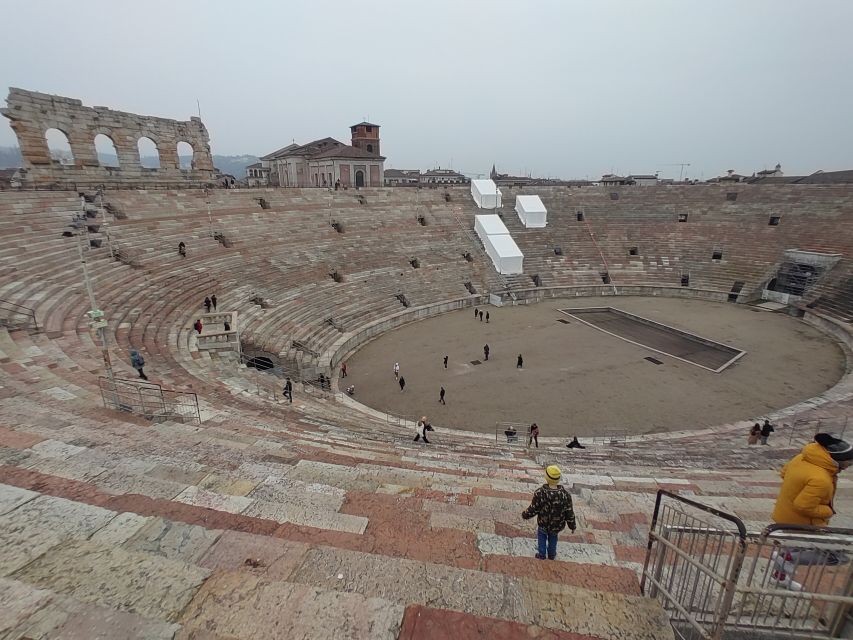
426	623
625	553
17	439
587	576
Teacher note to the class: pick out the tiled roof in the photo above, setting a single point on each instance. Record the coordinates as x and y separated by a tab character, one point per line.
365	124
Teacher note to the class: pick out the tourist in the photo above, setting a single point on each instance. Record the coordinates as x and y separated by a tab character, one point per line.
534	435
486	352
137	362
441	396
766	430
421	429
207	304
288	390
806	497
344	369
351	390
511	434
402	382
481	316
753	434
552	506
476	312
445	362
574	444
520	362
182	249
396	371
487	316
198	325
213	301
226	325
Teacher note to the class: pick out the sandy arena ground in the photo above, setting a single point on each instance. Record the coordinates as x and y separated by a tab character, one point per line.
578	380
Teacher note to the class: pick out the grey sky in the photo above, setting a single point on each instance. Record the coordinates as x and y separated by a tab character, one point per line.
560	88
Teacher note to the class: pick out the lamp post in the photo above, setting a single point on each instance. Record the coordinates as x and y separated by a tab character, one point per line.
97	320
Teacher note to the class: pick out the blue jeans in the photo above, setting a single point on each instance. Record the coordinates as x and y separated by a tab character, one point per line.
551	540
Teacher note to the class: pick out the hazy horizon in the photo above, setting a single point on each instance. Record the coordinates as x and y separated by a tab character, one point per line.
555	89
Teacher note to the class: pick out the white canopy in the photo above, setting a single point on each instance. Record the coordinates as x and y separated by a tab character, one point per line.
489	225
531	211
504	253
486	194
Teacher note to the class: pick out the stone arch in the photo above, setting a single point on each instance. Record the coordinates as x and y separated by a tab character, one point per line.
106	151
186	155
148	150
59	146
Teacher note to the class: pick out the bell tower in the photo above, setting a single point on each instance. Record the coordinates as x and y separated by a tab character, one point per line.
365	136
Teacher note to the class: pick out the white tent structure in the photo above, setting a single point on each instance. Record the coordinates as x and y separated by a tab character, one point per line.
505	254
531	211
489	225
499	245
486	194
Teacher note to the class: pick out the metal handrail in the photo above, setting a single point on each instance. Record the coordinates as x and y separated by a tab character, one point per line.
27	311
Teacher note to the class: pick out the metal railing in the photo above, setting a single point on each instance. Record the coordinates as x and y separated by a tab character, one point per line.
803	431
149	400
512	433
25	316
716	580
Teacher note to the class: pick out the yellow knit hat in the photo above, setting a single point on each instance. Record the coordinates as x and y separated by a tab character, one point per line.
552	474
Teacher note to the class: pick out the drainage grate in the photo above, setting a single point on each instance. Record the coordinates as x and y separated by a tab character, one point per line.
653	360
563	320
476	362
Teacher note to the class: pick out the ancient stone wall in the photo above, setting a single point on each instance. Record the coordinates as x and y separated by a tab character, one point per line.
32	114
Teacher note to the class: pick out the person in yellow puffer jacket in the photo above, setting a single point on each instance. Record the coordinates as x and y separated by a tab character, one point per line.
808	482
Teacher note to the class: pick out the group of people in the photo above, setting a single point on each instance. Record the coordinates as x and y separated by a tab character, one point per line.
478	313
760	432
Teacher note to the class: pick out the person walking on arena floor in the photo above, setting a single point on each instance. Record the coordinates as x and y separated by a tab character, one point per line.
809	482
198	325
533	435
445	362
520	363
344	369
552	506
288	390
207	304
486	352
766	430
441	396
487	316
137	362
213	301
402	382
481	316
476	313
396	371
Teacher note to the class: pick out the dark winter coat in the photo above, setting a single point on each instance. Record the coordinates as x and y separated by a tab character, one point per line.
553	508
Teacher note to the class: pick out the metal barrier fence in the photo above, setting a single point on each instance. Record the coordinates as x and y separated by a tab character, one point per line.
17	316
716	580
512	433
149	400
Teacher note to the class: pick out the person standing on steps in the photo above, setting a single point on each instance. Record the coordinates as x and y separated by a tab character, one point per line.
534	435
421	429
182	249
520	362
441	396
402	382
552	506
396	371
206	304
288	390
226	325
445	362
137	362
486	352
213	301
344	369
766	430
754	434
198	325
487	316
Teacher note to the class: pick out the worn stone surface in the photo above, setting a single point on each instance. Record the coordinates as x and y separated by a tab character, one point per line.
171	539
245	606
276	558
109	576
202	498
31	114
588	576
12	497
568	551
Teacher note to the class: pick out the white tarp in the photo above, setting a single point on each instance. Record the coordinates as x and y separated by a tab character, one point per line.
531	211
486	194
489	225
504	253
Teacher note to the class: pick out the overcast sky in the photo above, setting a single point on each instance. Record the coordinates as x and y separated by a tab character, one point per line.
562	88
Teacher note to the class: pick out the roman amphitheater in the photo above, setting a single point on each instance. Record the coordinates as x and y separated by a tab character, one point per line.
201	504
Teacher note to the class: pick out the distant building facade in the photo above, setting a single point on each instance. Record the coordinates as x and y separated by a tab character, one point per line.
257	175
643	180
402	177
328	162
443	176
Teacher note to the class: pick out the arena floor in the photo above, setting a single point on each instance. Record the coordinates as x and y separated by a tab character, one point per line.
578	380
